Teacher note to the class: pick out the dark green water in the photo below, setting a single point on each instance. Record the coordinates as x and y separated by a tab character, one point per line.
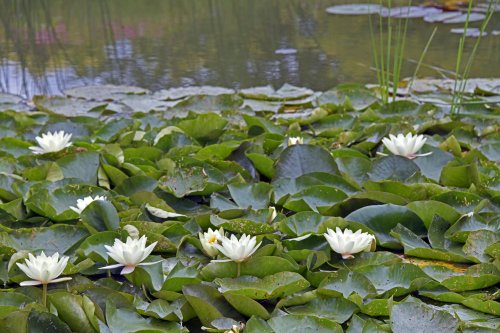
49	45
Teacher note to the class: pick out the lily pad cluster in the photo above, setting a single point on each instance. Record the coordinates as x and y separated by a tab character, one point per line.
276	169
429	13
433	14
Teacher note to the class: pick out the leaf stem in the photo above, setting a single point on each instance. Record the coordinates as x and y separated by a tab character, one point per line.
44	294
145	292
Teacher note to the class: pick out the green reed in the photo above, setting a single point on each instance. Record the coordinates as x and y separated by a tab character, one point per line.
461	76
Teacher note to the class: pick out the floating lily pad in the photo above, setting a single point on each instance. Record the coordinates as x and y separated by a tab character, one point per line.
104	92
383	218
440	17
286	92
355	9
271	286
337	309
470	32
415	316
182	92
472	17
301	323
411	11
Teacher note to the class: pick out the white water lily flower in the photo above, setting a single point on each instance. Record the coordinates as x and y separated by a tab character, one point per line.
238	250
295	140
158	212
52	142
406	146
209	238
81	204
43	269
130	254
348	243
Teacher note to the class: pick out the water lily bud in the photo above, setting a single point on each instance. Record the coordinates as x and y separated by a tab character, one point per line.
272	214
161	213
132	231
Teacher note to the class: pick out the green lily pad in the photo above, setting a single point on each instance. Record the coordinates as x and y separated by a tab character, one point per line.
393	167
70	309
383	218
260	267
416	247
301	323
398	279
195	181
316	198
294	161
349	96
93	246
272	286
53	200
100	215
343	283
475	277
128	321
208	303
286	92
57	238
206	127
415	316
181	275
337	309
247	306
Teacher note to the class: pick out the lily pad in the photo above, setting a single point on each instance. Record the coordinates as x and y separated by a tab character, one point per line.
383	218
414	316
272	286
355	9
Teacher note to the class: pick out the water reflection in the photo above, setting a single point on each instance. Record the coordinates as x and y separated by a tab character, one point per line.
50	45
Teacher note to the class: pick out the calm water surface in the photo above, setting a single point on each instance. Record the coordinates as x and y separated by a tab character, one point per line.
47	46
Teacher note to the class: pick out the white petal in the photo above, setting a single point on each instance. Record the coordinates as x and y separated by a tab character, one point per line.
149	263
421	155
30	283
60	279
127	270
112	266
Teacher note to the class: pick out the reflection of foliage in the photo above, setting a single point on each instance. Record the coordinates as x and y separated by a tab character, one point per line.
171	43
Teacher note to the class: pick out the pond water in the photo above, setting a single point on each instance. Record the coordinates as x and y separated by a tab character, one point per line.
47	46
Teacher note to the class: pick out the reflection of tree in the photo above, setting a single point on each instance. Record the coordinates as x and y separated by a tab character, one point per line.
160	43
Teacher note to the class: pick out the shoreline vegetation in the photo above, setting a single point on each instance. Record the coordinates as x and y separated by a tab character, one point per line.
257	210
